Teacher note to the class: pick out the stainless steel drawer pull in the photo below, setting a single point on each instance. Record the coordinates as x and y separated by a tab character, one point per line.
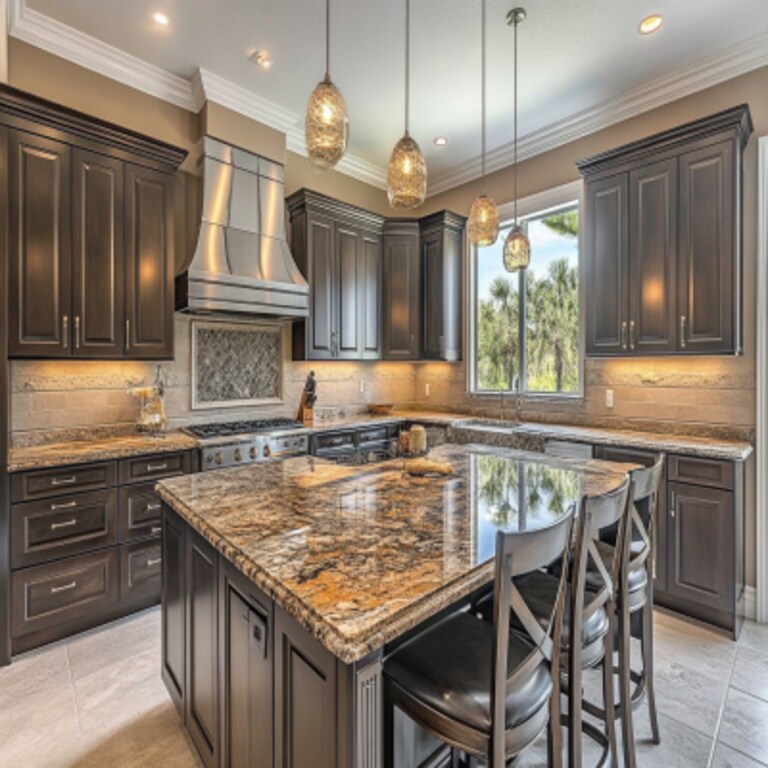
156	561
63	587
154	507
77	331
68	505
683	341
156	529
156	467
63	480
65	331
67	524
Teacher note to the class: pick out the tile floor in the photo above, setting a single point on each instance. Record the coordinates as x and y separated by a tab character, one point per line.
97	701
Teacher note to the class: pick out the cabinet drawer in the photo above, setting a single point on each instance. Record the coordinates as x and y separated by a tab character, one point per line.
373	435
709	472
140	570
42	531
54	594
141	512
154	467
41	483
332	441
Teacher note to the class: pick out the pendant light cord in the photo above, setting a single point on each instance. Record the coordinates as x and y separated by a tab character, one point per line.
515	103
482	155
407	62
327	39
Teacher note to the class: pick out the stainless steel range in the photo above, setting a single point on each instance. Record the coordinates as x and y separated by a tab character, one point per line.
247	442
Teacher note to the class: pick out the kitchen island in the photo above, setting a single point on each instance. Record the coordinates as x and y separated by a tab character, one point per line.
286	585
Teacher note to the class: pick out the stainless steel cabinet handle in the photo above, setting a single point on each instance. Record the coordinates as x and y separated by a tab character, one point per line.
63	480
672	502
156	561
77	331
127	335
65	331
624	335
63	587
67	524
68	505
156	529
631	334
156	467
153	507
334	345
683	342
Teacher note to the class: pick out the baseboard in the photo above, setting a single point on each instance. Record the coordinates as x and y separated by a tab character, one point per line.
750	603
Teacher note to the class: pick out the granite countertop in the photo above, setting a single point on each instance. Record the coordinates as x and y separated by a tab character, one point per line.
359	555
103	449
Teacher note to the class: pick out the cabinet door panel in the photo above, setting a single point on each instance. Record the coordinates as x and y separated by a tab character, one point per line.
97	264
371	291
402	287
321	282
707	263
40	248
149	264
701	546
653	258
173	613
432	266
348	285
606	267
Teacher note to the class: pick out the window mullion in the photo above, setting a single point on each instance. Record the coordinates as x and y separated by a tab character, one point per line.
522	373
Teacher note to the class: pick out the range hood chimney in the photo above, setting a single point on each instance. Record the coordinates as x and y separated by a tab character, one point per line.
242	263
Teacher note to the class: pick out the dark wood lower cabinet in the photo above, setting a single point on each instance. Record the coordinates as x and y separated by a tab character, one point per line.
174	611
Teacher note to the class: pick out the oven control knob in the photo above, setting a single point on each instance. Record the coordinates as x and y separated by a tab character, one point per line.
252	452
219	458
267	451
238	455
209	458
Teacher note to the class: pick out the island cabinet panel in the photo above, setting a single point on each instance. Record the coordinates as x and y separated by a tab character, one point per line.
701	538
401	291
662	237
201	701
98	293
173	613
305	698
40	300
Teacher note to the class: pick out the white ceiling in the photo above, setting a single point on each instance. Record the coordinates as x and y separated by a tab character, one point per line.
574	55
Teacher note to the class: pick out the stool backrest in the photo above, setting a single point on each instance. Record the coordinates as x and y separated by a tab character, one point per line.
645	490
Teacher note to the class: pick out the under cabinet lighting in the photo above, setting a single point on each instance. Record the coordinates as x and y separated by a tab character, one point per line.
651	24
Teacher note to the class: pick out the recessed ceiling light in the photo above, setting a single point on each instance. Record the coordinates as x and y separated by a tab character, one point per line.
161	19
651	24
262	58
441	141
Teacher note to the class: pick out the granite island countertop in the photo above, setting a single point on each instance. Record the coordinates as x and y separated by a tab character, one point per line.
360	555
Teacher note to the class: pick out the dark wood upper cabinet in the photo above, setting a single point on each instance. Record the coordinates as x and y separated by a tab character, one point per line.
39	298
97	255
662	241
149	264
90	219
338	248
442	250
401	297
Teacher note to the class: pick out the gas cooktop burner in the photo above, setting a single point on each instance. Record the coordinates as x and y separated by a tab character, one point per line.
242	427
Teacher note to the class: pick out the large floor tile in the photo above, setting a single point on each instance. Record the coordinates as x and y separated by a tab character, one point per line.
43	670
681	746
725	757
750	672
745	725
754	636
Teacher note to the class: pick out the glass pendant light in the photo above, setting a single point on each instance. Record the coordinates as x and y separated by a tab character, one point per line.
407	172
326	127
483	224
517	247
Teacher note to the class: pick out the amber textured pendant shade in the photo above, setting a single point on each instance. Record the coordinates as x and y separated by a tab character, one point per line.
407	174
483	224
517	250
326	125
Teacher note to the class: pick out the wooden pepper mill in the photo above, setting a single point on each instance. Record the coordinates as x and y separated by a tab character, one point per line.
308	400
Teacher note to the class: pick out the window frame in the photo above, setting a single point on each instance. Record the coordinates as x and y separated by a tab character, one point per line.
536	205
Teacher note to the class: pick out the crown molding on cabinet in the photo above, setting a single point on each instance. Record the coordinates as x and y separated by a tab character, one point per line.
44	32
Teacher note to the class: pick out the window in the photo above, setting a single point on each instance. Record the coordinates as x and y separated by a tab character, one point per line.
526	333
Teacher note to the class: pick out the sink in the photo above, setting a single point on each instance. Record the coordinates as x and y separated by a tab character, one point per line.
496	425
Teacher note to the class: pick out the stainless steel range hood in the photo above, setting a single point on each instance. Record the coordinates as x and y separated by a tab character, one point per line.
242	263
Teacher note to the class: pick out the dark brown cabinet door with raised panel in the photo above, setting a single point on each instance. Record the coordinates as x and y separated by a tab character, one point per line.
370	254
321	325
39	295
653	258
174	607
149	263
607	265
348	283
97	256
401	294
701	546
708	249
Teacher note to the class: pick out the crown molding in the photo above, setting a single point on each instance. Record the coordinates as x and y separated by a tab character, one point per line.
68	43
707	72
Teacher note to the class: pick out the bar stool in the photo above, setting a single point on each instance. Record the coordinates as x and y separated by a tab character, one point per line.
635	595
475	685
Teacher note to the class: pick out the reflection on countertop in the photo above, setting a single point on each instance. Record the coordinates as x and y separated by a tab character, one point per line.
359	555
